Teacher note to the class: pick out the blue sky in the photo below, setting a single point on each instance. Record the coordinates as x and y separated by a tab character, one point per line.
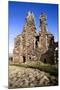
17	12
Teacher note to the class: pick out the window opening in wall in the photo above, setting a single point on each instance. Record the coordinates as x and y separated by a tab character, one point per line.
37	38
36	43
29	57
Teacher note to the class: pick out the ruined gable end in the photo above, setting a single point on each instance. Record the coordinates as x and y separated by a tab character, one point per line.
32	46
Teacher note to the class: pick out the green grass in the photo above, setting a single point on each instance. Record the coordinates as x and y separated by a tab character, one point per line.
51	69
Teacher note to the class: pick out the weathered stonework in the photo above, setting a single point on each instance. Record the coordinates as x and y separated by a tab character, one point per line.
33	46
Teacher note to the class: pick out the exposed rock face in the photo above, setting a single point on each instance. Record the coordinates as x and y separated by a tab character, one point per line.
31	45
20	77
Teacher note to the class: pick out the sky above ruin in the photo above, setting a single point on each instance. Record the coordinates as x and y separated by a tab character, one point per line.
17	12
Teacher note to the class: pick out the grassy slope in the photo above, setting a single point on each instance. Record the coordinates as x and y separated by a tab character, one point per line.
51	69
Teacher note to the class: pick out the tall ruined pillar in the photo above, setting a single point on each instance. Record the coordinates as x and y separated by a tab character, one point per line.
28	33
43	32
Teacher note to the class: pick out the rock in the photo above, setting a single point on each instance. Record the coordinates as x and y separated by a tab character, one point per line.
44	81
28	77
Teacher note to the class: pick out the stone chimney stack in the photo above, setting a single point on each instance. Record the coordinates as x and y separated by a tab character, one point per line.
43	23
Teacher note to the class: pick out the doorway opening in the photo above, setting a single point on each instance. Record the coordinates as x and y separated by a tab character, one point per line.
45	60
24	59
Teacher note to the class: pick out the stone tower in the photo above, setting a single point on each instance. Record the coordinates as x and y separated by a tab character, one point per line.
43	31
28	35
43	22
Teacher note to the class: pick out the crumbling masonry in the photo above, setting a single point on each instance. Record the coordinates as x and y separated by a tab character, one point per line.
33	46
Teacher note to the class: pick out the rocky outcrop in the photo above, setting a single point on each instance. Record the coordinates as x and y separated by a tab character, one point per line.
20	77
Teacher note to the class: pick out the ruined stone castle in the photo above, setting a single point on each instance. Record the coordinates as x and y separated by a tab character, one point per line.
34	46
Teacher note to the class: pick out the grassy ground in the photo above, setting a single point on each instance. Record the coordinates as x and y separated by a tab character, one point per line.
51	69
